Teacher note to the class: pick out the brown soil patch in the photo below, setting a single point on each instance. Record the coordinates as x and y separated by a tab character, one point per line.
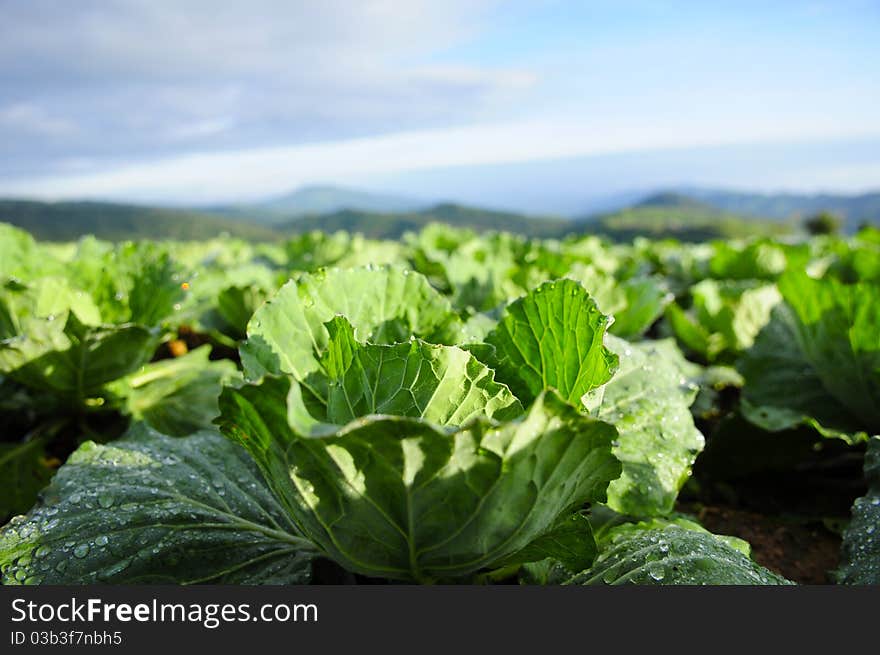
806	553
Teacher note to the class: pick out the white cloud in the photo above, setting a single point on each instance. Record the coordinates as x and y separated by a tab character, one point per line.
144	78
221	99
207	127
255	173
35	120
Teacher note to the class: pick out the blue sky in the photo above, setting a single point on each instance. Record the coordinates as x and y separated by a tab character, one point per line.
229	101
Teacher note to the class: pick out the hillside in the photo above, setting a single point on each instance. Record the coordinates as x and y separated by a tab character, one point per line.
854	209
681	217
64	221
393	225
70	220
316	200
661	215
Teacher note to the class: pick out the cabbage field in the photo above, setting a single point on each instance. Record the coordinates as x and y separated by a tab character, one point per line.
451	407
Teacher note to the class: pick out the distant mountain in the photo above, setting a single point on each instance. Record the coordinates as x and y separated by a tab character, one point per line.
327	199
66	221
671	214
314	200
391	225
659	215
854	209
674	200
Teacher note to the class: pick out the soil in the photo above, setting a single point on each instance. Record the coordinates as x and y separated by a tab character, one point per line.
805	552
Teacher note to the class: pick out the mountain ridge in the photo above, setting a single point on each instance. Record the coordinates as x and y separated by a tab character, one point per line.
658	214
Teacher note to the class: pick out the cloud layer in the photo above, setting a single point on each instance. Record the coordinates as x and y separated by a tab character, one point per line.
209	101
111	80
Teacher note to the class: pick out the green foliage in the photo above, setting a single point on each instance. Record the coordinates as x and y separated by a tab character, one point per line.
673	556
177	396
824	343
823	223
400	497
552	338
384	304
634	303
456	406
153	509
724	318
860	555
648	400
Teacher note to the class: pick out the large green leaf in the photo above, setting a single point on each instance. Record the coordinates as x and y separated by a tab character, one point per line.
314	250
609	528
860	553
237	304
762	259
824	343
838	330
17	251
223	296
645	298
155	509
775	366
22	258
402	498
40	299
441	384
177	396
725	317
569	543
384	304
131	282
476	271
552	339
51	339
648	401
635	303
673	555
62	355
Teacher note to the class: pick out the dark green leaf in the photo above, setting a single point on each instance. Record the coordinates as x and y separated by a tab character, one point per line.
155	509
570	542
674	556
401	498
177	396
860	553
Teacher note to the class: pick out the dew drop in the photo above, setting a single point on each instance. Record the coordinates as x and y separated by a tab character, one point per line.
656	571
